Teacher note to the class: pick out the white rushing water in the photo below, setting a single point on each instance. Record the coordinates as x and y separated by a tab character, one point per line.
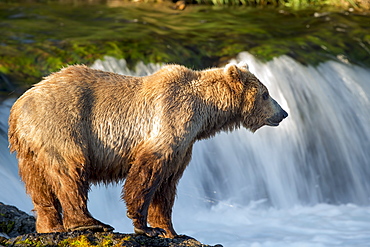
304	183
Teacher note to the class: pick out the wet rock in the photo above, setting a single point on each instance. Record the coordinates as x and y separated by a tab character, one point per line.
14	222
18	229
88	238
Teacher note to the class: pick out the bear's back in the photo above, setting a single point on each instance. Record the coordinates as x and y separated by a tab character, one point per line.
68	107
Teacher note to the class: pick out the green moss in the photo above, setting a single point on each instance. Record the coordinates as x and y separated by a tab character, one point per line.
107	242
123	241
41	38
30	243
84	241
6	226
358	4
80	241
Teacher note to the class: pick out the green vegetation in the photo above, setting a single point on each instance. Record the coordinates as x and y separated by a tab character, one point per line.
29	243
39	38
81	241
358	4
6	226
90	239
78	241
105	241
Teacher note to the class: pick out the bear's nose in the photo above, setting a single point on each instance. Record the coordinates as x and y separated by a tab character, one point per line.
284	114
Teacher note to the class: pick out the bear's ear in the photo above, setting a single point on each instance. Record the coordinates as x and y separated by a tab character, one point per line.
243	65
233	77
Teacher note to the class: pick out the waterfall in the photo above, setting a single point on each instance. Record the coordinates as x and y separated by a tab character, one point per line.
319	155
12	189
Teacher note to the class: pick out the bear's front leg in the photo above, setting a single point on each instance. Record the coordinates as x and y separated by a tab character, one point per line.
160	209
141	183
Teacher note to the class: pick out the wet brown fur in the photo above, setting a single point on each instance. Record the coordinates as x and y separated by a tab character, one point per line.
82	126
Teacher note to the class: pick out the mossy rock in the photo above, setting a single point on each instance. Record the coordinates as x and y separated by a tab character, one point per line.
14	222
86	239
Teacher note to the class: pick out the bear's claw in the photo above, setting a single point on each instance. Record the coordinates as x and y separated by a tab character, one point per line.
94	228
150	232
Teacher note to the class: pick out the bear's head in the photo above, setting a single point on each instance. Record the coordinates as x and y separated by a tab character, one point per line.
257	107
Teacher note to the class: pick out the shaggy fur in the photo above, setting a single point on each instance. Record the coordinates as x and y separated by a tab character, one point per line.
82	126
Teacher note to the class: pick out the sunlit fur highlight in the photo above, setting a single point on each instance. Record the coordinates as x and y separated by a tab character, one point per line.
81	126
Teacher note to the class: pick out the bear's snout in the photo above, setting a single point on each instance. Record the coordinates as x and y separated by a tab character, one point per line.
283	114
279	115
277	118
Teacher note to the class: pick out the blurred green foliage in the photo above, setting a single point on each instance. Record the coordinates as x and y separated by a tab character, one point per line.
39	38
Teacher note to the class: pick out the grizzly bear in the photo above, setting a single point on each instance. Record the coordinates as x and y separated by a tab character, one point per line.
82	126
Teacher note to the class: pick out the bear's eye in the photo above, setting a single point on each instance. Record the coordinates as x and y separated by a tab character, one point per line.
265	95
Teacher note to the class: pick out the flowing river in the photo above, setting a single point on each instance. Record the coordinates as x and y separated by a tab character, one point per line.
304	183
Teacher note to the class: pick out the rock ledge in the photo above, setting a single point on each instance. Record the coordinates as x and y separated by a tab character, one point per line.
88	238
18	229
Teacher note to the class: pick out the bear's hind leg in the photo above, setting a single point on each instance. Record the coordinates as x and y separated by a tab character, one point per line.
46	205
48	217
71	188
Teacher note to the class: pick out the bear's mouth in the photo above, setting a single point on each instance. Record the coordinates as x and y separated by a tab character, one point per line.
276	119
269	122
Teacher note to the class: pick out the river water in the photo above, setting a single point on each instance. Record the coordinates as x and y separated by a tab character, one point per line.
304	183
